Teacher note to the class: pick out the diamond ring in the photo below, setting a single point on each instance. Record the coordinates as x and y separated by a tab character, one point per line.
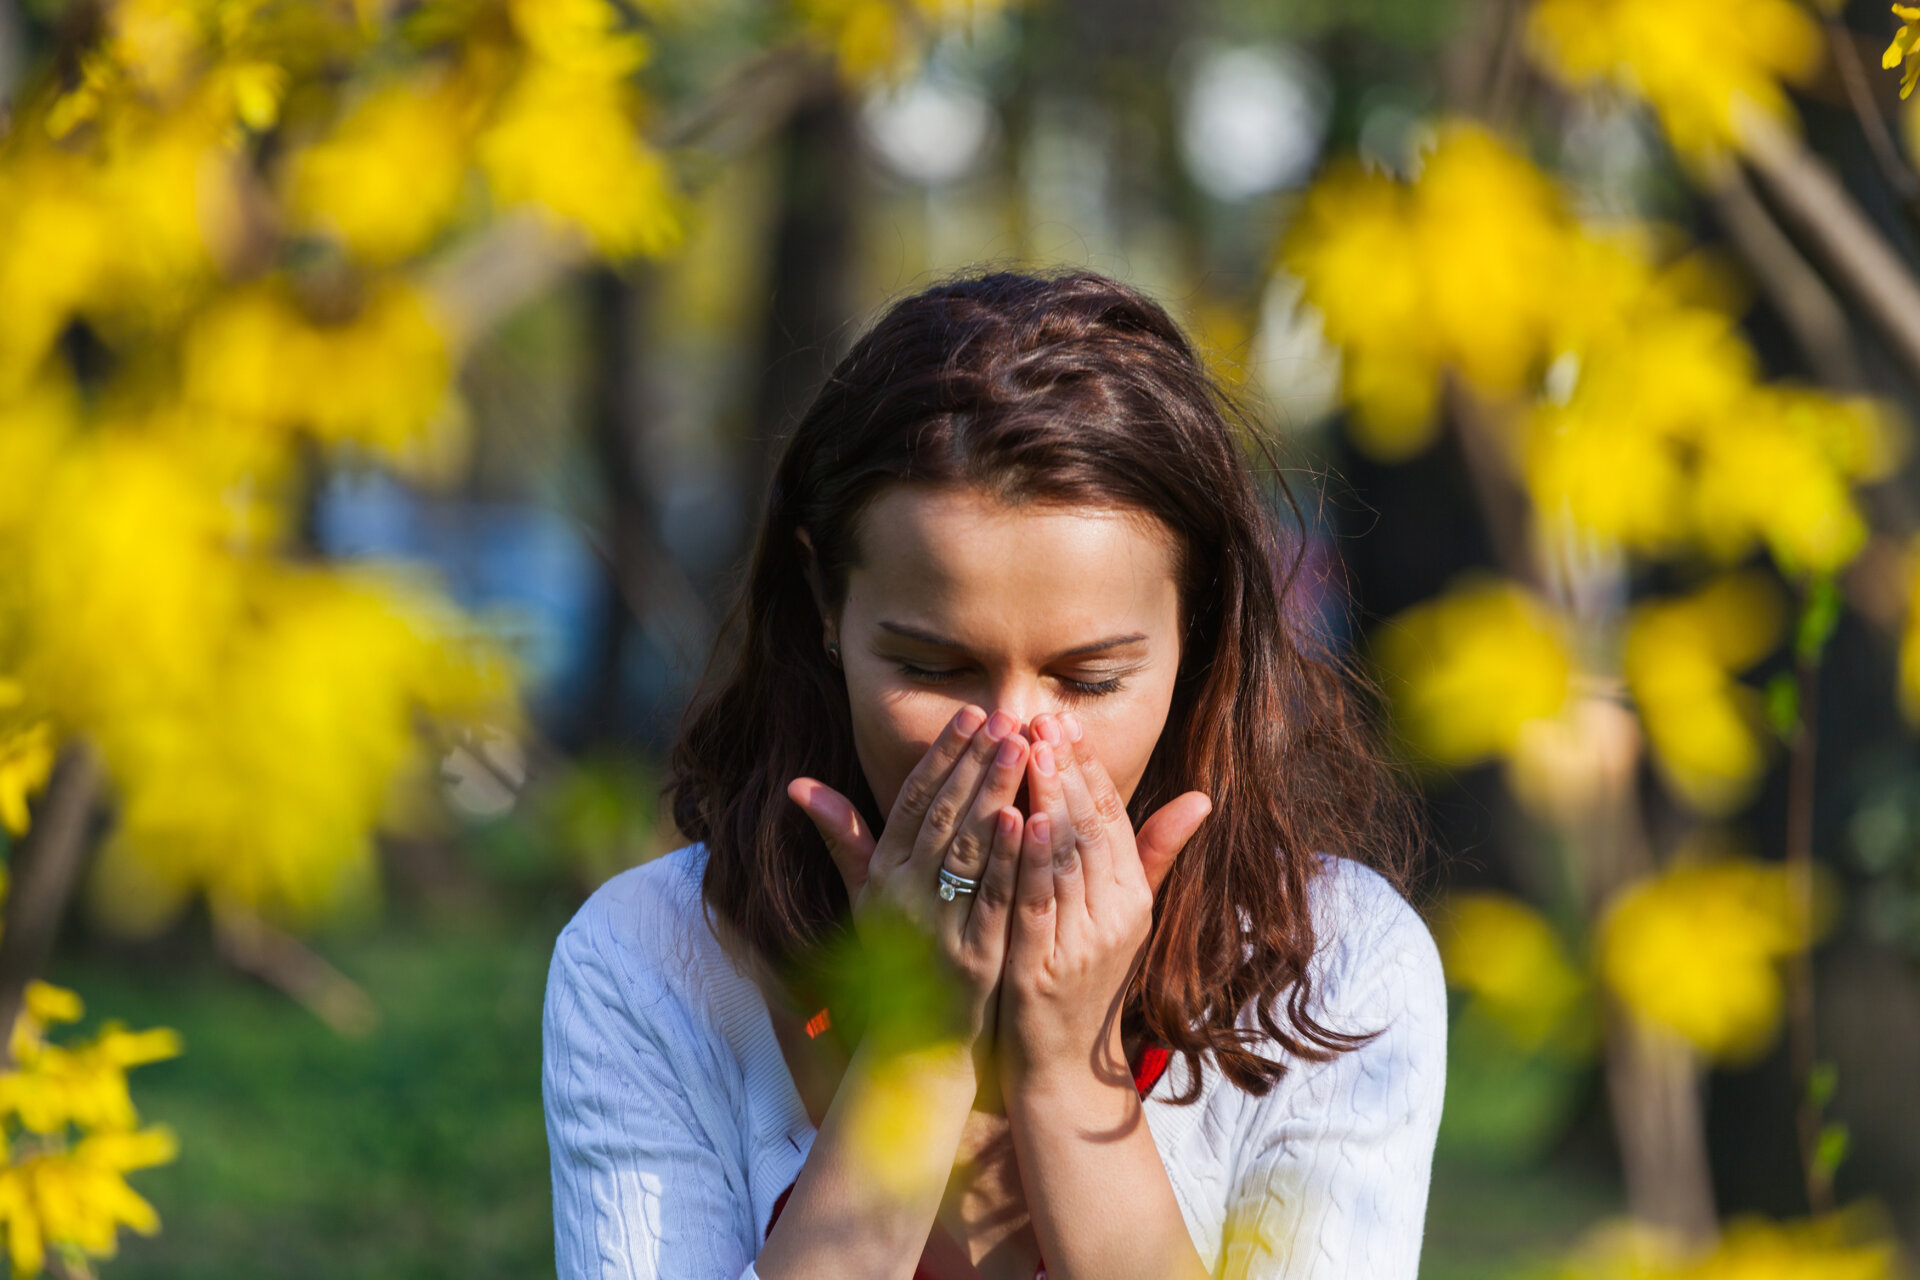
951	884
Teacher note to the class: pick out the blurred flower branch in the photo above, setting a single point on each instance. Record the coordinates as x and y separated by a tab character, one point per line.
1612	418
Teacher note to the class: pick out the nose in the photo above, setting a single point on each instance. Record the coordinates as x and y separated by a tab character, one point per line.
1023	699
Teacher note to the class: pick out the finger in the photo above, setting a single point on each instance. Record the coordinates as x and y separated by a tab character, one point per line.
1091	836
1167	832
967	853
992	902
924	783
946	817
1035	912
1046	797
1106	799
849	843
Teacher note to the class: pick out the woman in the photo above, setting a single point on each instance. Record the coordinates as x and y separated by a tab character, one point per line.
1009	708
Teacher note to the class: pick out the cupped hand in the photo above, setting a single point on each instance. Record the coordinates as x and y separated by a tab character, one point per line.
955	809
1083	910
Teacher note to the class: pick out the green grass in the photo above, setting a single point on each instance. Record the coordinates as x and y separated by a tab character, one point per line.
416	1151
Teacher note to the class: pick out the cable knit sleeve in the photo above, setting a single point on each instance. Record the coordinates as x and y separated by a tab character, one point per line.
648	1176
1331	1177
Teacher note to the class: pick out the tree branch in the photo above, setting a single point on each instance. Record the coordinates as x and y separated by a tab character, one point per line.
45	870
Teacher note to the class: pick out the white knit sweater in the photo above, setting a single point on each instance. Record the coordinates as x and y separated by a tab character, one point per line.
674	1123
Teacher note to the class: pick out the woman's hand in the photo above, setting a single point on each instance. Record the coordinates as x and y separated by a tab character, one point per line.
954	809
1083	909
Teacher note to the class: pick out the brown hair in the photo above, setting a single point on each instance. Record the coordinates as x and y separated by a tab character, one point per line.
1069	388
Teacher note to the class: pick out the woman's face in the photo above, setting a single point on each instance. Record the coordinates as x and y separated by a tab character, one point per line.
960	598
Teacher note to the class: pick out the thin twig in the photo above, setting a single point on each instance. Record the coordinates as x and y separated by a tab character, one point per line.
281	960
1873	122
45	871
1808	307
1813	200
1800	1026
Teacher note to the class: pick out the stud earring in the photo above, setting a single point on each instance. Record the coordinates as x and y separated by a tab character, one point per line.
833	652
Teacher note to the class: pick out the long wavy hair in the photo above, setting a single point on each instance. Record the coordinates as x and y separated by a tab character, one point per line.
1069	388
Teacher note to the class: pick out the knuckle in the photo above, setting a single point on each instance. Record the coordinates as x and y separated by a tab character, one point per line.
1108	802
966	851
942	813
916	793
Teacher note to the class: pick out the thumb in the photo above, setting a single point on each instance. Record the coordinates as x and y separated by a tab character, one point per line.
849	843
1166	833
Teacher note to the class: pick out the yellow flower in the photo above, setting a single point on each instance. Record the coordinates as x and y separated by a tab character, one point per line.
1680	660
390	175
1616	459
1696	950
54	1086
79	1198
1685	58
1510	959
26	762
126	581
1768	473
298	750
1468	671
1459	270
1352	247
382	378
1844	1246
1904	47
568	146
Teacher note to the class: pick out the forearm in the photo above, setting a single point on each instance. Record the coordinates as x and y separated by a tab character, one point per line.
872	1183
1101	1201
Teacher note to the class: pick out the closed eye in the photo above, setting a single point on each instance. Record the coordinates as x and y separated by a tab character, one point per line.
1074	688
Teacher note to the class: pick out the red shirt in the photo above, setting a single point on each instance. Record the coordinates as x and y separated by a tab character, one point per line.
1153	1065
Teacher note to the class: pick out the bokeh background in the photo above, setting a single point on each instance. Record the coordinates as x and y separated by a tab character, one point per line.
387	392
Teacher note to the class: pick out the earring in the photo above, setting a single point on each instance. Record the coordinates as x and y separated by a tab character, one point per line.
833	652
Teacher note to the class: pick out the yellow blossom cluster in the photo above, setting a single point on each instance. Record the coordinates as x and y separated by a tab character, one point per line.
1488	671
563	139
1697	950
1470	670
1457	271
151	623
1681	658
1846	1246
1515	967
69	1134
1693	66
1905	48
1638	416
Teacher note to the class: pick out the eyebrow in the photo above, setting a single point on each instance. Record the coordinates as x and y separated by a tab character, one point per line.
1078	651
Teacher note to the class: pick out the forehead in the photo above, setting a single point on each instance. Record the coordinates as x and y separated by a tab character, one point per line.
966	562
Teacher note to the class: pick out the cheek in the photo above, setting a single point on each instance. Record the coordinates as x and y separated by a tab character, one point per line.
1125	735
891	733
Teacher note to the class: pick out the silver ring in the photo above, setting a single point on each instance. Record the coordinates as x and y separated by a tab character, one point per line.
951	884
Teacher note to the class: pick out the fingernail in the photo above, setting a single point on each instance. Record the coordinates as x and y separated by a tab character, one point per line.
1042	830
1073	726
1009	753
1007	823
1049	728
969	720
1043	758
999	725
